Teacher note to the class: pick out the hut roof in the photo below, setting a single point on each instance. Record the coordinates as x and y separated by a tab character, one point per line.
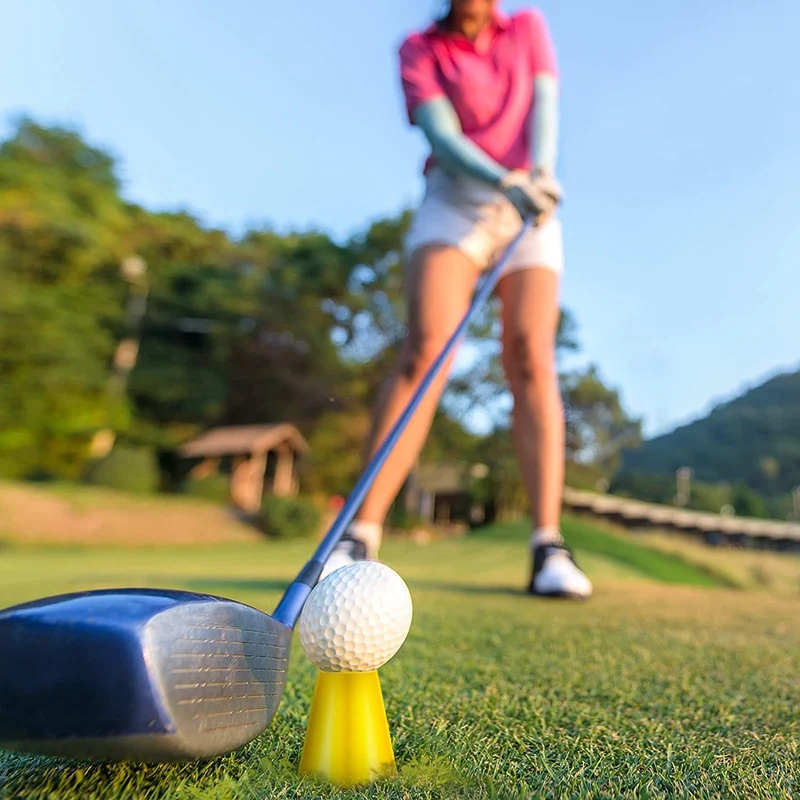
243	439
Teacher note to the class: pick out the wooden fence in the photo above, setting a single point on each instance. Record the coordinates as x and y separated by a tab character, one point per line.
714	528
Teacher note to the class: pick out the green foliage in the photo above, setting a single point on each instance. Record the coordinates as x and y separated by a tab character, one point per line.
710	496
747	503
337	448
588	477
289	517
400	519
53	387
702	496
264	328
451	441
215	488
61	223
129	469
643	486
780	507
598	428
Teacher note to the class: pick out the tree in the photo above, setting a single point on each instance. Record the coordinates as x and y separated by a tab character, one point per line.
598	428
292	362
61	224
257	329
52	378
337	443
747	503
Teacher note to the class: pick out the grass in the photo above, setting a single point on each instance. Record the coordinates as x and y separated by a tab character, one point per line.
667	683
748	569
48	514
664	565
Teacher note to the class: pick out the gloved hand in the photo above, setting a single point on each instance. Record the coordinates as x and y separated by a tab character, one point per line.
535	195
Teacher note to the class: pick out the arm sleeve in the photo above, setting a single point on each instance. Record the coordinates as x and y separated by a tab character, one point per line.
455	152
545	121
428	108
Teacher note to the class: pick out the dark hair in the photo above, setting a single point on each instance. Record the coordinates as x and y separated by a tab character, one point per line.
444	19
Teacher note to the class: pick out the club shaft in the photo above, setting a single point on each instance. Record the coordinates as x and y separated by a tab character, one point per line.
291	603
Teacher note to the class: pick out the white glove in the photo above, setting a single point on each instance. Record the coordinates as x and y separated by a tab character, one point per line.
532	195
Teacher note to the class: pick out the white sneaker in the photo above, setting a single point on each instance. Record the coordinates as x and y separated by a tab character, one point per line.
555	574
347	551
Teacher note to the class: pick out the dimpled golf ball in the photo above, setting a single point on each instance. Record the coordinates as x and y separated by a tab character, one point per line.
356	619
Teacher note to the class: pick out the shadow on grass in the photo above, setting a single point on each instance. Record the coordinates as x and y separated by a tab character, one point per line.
234	585
464	588
224	586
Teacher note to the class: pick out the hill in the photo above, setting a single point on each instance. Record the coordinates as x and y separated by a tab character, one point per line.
753	439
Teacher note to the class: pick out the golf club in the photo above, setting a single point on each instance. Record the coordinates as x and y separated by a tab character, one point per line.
161	675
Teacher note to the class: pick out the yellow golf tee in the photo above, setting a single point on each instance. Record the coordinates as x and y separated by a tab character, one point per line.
347	741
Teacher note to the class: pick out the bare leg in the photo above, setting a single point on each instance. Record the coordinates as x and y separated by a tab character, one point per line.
439	289
530	324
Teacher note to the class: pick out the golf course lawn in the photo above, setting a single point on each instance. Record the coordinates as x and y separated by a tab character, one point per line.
670	682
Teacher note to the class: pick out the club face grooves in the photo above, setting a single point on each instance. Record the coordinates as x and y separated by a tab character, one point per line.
138	675
222	678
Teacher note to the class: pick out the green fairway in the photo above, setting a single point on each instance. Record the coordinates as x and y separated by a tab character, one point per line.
667	683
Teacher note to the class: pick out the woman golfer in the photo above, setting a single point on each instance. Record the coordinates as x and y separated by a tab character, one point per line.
483	87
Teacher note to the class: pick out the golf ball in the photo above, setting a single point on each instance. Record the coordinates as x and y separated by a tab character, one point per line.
356	619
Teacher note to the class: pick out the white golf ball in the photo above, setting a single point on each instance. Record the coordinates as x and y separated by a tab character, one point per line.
356	619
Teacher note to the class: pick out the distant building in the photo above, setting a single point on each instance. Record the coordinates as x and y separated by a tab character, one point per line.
260	458
440	493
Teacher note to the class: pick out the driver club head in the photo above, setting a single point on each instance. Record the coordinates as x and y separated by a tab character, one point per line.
138	674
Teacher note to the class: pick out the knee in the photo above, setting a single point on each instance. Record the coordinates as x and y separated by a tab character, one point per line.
418	354
529	361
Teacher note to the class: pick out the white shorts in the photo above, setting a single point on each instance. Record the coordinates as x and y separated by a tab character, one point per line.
480	222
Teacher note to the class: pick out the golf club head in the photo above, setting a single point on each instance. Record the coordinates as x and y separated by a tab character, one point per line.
138	675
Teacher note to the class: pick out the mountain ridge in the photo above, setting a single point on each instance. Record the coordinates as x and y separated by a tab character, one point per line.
752	438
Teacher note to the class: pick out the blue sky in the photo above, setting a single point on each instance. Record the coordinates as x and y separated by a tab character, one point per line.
680	155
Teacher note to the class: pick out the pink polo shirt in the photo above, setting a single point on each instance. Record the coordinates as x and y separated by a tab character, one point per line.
489	81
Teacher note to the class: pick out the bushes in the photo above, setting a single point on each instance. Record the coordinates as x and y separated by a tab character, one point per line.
748	503
214	488
703	496
403	520
129	469
289	517
586	477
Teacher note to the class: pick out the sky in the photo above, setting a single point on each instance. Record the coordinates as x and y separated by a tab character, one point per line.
680	152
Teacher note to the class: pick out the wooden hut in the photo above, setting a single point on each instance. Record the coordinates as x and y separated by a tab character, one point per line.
260	458
439	492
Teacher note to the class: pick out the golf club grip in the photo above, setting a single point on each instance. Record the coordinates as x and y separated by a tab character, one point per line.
291	604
